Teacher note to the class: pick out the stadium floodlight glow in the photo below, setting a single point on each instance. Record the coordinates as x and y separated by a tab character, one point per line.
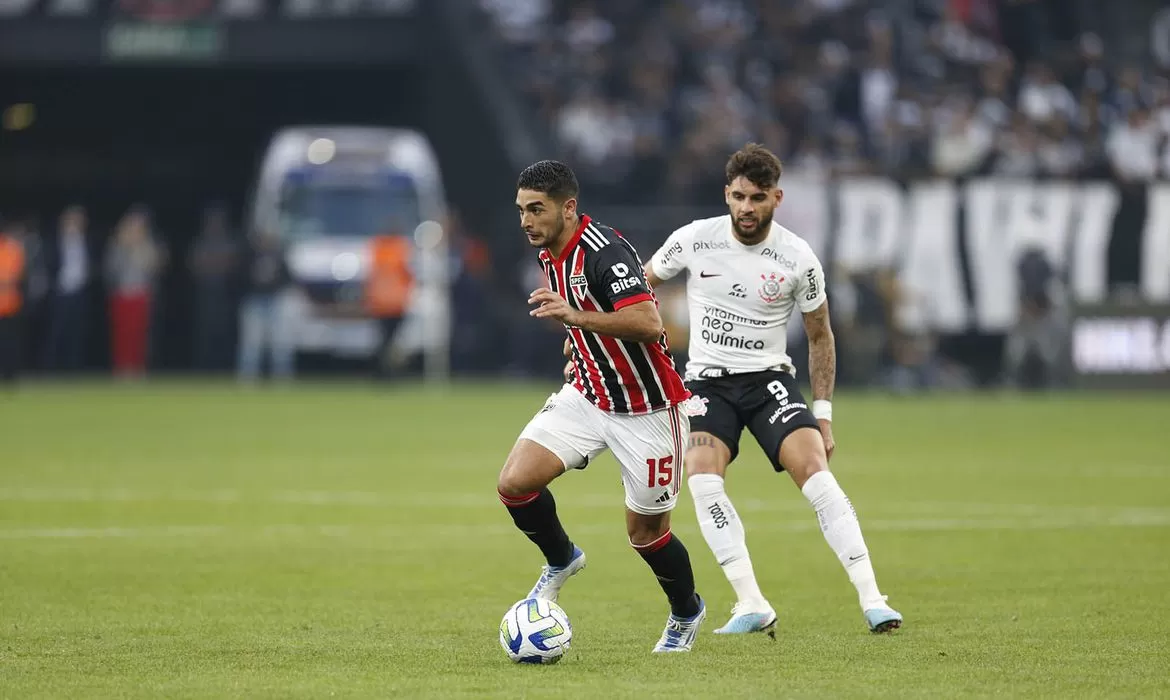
320	151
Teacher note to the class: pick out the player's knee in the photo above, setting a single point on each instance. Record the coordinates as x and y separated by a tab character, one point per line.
513	480
803	467
706	454
509	483
647	529
528	468
704	460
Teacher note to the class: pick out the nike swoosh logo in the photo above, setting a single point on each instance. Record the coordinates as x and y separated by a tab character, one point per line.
705	275
859	556
790	416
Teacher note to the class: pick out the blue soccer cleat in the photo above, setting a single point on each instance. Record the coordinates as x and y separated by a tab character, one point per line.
548	586
680	632
745	621
883	619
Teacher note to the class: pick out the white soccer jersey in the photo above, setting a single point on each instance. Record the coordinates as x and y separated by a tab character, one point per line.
740	297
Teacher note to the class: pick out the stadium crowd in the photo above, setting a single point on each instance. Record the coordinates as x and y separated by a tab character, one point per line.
644	96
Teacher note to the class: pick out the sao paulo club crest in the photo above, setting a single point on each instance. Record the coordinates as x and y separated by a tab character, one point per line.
578	282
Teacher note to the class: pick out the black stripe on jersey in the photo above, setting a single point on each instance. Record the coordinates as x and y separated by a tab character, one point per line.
590	239
594	237
638	353
641	364
553	273
609	376
633	250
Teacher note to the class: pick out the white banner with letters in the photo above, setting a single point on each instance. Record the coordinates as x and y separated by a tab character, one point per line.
955	245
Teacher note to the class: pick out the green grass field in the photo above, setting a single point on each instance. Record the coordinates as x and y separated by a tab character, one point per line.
184	541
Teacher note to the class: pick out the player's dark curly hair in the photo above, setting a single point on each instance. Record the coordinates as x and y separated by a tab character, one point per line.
552	177
760	166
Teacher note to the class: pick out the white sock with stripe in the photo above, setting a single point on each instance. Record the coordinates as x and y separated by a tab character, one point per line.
724	532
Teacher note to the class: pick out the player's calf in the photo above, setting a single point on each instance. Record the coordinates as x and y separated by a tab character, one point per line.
522	487
650	536
803	454
707	459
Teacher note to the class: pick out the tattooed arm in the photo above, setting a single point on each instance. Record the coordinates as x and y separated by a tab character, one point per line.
822	352
822	364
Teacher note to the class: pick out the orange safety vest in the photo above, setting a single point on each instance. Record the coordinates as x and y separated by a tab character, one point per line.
11	273
390	281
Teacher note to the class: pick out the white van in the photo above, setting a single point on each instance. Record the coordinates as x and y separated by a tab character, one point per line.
326	191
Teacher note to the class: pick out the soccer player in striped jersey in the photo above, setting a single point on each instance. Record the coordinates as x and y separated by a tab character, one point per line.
623	394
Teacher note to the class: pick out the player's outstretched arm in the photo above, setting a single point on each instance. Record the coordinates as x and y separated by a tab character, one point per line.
822	367
638	322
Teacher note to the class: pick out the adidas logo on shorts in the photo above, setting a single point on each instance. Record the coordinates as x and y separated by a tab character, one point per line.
664	498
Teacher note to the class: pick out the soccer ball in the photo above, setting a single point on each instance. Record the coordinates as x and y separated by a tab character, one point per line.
535	631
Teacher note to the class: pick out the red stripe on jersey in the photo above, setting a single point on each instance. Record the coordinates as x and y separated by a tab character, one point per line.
672	383
593	364
676	436
629	377
596	383
622	303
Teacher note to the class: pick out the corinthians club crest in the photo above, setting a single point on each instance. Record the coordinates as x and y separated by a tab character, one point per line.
770	287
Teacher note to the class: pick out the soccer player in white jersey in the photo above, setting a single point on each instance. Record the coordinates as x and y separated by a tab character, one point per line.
746	276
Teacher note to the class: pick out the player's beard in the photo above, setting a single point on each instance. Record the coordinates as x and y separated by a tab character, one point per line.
547	240
554	238
759	233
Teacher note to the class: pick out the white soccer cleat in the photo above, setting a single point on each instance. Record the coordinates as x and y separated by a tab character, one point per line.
745	621
680	632
552	578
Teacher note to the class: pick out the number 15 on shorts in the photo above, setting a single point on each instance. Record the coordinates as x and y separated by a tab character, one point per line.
660	472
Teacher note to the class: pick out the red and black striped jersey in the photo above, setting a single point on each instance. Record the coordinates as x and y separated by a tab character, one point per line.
600	271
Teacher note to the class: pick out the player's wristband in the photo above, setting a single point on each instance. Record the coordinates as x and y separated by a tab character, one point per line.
823	410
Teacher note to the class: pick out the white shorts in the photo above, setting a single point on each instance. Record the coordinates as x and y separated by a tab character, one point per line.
648	447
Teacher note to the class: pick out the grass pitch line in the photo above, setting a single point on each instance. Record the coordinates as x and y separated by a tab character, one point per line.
968	511
394	533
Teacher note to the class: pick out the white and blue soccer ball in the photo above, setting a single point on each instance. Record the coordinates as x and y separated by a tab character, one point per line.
535	631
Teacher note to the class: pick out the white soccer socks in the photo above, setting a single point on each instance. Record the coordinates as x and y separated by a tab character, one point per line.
839	524
723	530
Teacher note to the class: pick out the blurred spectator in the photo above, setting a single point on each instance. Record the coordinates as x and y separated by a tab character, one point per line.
389	288
1043	97
477	317
646	96
37	287
962	143
213	260
69	263
1133	147
267	311
1059	155
1017	150
12	279
1131	91
1160	38
133	261
1035	345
